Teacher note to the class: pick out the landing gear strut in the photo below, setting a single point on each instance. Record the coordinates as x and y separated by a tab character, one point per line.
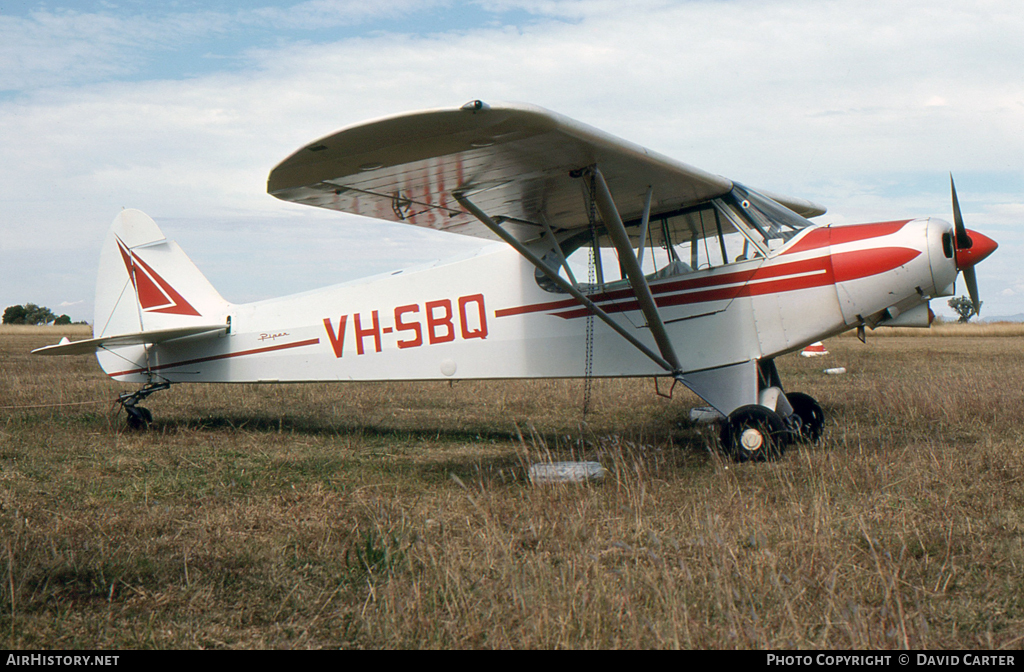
139	417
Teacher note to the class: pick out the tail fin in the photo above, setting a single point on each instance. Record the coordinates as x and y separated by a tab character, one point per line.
147	283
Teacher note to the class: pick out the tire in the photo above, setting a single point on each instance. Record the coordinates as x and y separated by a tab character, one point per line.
139	418
754	434
812	418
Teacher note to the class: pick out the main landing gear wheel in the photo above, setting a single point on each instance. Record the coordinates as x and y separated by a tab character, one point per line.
754	433
812	418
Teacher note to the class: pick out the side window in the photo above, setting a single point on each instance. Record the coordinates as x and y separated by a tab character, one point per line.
696	239
578	266
705	238
708	236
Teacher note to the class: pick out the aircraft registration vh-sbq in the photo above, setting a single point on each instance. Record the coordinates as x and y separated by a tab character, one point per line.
613	260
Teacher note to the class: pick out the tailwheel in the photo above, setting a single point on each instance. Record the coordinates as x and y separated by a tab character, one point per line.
810	415
139	418
754	433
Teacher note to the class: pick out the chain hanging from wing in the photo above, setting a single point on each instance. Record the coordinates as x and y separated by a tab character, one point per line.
588	375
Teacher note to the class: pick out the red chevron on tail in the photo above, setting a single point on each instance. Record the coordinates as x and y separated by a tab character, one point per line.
155	294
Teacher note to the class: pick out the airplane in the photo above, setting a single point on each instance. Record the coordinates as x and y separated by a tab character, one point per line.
610	260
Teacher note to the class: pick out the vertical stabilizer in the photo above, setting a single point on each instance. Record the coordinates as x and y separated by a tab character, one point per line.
147	282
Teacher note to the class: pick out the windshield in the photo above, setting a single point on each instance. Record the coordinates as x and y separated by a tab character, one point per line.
771	225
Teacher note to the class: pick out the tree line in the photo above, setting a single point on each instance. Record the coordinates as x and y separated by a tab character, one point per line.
30	313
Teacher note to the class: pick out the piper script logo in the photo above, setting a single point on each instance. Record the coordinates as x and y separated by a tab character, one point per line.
155	294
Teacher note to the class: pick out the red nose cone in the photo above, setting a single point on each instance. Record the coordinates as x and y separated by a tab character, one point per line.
981	247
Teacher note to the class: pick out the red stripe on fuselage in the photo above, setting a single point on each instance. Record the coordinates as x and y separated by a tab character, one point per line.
764	280
837	235
535	308
626	294
767	279
718	284
242	353
863	263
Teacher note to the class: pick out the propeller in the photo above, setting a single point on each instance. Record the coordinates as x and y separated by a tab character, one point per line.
970	248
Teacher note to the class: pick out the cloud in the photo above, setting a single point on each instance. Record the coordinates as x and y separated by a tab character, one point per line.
832	101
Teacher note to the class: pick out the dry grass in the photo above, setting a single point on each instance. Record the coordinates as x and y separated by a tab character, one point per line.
954	329
73	331
399	516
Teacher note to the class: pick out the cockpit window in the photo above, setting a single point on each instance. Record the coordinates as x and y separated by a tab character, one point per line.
740	226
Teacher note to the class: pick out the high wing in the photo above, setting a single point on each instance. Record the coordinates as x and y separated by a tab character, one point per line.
516	162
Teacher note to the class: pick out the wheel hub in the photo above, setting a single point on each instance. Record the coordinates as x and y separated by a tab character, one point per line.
751	439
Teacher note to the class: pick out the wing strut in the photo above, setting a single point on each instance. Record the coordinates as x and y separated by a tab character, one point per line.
562	283
645	221
628	259
558	249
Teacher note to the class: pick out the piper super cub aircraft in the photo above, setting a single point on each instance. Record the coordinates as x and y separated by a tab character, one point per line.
614	261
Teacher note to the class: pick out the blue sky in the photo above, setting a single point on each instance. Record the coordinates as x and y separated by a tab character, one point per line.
182	108
139	41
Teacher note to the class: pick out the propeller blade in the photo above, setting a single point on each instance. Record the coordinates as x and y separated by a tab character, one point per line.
971	281
971	248
963	241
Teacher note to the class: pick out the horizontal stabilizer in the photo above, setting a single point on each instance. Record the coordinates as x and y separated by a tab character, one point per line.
87	347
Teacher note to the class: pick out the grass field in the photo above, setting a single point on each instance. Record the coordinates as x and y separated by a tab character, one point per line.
400	516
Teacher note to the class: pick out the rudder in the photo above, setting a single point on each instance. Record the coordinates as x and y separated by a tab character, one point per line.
146	282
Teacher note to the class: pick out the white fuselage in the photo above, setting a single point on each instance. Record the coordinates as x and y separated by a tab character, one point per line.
485	316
